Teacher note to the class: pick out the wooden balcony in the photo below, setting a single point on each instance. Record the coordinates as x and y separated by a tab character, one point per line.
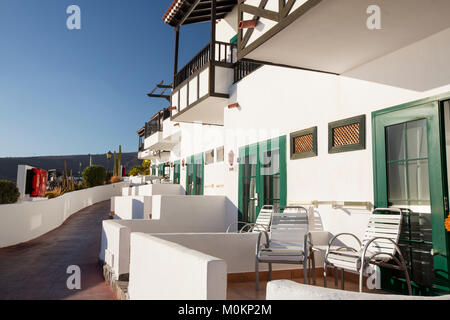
201	87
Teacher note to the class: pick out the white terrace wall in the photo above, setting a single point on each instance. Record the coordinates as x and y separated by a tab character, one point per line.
177	273
154	190
25	221
147	266
294	100
176	214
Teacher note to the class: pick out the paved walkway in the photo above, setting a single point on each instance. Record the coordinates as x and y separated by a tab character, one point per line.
37	269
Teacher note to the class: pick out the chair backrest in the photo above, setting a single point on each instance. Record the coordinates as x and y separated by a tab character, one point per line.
288	229
264	219
385	225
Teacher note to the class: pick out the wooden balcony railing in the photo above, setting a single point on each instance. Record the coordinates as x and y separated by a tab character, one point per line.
156	124
224	52
243	68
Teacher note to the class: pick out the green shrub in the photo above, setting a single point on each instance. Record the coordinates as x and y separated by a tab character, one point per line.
94	176
8	192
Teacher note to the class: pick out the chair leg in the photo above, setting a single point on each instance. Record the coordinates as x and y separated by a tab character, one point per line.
342	279
305	270
361	271
257	274
270	272
336	282
325	274
313	268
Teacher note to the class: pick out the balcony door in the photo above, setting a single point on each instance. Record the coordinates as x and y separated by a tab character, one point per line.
195	175
410	173
176	172
262	177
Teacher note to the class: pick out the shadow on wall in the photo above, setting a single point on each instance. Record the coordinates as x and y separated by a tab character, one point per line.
232	214
137	209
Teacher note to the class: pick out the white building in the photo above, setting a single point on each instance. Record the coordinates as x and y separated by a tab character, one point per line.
341	105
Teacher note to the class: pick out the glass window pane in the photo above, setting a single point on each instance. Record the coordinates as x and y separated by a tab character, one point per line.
416	132
249	166
395	142
397	182
418	179
270	162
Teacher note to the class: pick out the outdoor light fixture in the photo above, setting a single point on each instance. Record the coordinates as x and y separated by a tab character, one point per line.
248	24
231	158
182	163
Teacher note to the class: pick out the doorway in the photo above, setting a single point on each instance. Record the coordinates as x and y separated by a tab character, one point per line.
195	175
262	177
410	173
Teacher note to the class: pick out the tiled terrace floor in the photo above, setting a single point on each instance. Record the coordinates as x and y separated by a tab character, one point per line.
245	290
37	269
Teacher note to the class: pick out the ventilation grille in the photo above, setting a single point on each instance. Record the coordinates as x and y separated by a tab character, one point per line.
346	135
303	143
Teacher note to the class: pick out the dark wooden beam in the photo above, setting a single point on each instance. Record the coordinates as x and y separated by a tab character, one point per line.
262	13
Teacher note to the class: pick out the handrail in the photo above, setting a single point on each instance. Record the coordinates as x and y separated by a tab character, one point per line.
335	204
243	68
203	57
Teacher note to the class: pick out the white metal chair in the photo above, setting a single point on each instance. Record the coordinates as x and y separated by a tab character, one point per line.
379	247
262	222
287	242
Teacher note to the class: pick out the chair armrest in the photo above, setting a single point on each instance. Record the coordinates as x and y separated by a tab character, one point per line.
340	235
252	227
235	223
258	243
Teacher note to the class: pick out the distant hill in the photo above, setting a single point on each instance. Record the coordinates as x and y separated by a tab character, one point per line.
8	166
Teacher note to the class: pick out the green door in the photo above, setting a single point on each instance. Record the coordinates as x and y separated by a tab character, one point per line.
195	174
176	172
262	177
154	173
409	173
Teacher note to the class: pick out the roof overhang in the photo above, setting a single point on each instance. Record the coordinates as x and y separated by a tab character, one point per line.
183	12
333	35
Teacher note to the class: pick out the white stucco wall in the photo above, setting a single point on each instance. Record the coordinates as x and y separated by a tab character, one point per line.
177	214
25	221
132	207
276	101
199	277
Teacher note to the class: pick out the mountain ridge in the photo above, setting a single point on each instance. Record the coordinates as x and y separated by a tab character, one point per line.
8	165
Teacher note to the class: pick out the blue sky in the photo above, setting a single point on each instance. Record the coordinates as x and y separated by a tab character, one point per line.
65	92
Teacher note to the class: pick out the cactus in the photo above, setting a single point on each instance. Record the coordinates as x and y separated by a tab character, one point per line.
119	165
115	164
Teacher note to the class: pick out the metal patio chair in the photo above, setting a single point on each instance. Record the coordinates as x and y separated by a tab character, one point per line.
379	247
262	222
287	242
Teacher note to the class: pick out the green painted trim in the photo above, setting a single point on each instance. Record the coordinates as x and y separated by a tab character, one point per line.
234	39
308	154
177	173
417	110
258	149
361	120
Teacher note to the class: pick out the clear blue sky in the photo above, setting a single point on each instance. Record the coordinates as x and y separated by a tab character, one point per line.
65	92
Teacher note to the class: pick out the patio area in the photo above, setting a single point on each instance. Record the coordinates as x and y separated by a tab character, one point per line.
242	287
36	270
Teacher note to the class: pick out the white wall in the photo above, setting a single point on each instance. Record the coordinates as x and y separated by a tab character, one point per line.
132	207
201	277
176	214
276	101
154	189
25	221
153	263
289	290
